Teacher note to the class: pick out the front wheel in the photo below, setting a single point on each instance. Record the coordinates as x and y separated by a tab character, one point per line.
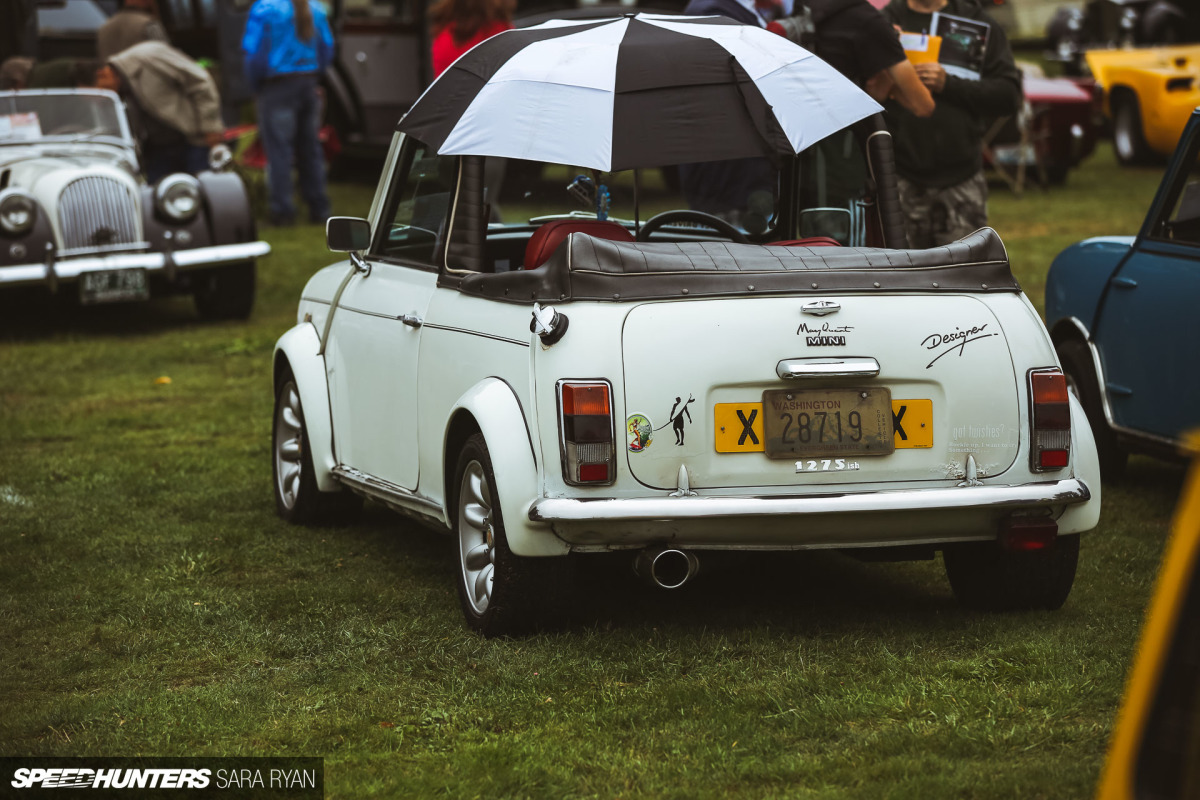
225	292
501	593
984	575
297	497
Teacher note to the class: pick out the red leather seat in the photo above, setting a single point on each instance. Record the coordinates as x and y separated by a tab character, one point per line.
547	238
812	241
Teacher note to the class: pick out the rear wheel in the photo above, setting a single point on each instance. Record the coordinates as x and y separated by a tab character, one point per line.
1129	142
1076	361
297	497
225	292
501	593
984	575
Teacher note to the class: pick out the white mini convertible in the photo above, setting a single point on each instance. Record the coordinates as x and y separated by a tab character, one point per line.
582	380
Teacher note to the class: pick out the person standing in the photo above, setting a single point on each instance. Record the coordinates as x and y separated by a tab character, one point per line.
940	158
135	22
287	45
459	25
854	38
18	29
174	104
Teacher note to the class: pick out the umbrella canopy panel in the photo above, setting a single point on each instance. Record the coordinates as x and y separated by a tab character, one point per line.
635	91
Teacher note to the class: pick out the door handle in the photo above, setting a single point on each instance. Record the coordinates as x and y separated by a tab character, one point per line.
1124	283
848	367
411	320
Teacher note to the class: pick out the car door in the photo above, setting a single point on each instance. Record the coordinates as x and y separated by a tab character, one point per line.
375	337
1150	318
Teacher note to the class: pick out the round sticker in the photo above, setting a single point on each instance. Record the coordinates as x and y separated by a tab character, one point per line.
640	432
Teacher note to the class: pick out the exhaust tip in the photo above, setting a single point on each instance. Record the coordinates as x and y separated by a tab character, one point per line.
666	568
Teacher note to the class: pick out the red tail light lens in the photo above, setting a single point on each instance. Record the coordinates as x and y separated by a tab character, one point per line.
589	450
1051	420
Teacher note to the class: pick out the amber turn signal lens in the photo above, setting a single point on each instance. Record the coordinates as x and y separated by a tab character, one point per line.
585	398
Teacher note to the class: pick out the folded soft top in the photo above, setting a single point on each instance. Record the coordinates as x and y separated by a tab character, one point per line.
587	268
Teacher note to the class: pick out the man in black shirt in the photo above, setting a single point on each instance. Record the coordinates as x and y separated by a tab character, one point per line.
940	159
856	40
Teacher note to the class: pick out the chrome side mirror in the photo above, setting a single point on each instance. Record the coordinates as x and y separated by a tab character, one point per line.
347	234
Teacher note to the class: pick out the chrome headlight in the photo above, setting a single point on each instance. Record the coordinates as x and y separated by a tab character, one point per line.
178	197
18	212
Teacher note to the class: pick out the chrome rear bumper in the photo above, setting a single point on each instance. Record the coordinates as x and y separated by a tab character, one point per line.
70	268
646	509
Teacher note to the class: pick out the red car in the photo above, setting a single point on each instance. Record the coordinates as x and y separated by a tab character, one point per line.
1060	124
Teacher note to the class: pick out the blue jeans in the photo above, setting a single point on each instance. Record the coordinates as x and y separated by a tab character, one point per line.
288	111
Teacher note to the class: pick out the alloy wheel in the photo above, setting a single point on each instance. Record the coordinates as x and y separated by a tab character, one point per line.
476	537
289	445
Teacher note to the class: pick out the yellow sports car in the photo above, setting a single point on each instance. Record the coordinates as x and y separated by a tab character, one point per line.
1149	94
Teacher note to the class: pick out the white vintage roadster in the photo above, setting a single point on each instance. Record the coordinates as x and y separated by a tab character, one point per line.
582	380
75	211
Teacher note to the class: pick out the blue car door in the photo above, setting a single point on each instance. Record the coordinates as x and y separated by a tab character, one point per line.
1149	327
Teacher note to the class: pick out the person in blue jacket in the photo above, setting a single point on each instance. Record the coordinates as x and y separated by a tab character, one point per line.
287	45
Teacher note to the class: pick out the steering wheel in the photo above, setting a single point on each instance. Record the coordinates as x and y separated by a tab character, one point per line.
687	215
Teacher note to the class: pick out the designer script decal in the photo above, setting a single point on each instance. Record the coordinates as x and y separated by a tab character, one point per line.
955	341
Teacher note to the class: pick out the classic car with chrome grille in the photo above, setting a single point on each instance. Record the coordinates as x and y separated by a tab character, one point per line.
611	369
76	216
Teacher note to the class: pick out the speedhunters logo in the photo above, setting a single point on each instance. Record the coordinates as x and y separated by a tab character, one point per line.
165	777
68	778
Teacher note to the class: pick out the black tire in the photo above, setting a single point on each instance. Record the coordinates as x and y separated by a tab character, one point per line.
501	593
1076	361
297	497
985	576
225	292
1129	140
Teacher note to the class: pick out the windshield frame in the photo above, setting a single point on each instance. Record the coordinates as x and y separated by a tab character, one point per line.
125	138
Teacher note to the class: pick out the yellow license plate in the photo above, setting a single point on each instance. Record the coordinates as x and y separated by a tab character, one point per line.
738	427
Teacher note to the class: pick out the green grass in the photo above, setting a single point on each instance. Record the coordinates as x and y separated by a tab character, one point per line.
155	605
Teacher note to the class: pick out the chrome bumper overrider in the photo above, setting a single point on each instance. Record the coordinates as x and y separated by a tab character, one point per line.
642	509
70	268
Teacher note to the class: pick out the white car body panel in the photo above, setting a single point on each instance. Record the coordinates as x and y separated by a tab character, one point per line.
370	346
749	337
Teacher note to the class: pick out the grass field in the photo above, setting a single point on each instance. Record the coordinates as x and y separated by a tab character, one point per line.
157	606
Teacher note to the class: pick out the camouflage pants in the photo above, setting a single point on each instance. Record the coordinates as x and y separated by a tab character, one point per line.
934	217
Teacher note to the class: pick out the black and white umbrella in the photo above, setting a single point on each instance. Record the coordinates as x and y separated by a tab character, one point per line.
635	91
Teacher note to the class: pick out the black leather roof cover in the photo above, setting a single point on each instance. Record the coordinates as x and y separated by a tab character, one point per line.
586	268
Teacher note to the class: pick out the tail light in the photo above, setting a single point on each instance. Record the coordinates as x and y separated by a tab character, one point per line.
589	450
1051	422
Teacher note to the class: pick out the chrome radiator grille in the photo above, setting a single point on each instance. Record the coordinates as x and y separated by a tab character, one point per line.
97	212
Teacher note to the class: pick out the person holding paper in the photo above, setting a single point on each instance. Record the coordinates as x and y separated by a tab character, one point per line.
940	158
856	40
